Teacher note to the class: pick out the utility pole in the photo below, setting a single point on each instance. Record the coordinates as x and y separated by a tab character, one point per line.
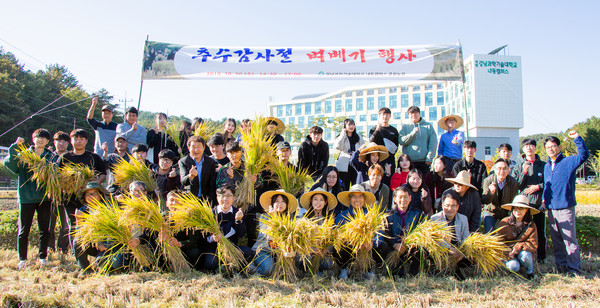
125	101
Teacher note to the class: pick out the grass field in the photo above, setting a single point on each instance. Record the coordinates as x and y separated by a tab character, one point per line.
62	285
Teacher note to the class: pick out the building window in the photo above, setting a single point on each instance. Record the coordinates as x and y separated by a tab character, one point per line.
404	101
292	121
359	92
307	108
374	117
353	117
338	105
440	85
359	104
300	122
397	115
348	93
360	129
432	114
428	86
393	101
370	91
416	88
443	111
381	91
422	113
298	109
327	106
280	111
317	107
488	150
393	90
348	104
380	102
363	118
440	98
327	133
370	103
406	115
440	131
428	99
404	88
416	99
311	121
288	110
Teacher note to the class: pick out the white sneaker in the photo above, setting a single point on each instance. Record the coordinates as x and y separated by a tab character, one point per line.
43	262
21	265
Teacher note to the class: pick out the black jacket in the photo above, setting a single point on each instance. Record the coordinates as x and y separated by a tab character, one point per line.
313	158
206	179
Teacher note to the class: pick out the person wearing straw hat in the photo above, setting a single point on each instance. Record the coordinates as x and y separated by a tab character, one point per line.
317	203
498	189
451	142
368	154
356	199
275	128
529	173
273	201
470	203
519	233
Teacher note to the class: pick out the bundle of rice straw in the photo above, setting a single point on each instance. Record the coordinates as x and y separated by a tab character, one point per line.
258	151
484	250
126	172
433	237
326	236
289	235
291	179
194	214
361	230
145	213
172	131
104	223
206	129
44	172
73	177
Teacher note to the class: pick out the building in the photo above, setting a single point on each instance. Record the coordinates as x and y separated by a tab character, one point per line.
493	101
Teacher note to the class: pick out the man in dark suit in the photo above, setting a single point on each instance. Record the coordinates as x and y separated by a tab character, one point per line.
197	171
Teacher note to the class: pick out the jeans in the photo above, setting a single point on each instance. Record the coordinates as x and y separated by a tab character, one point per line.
563	232
524	259
263	263
26	212
489	223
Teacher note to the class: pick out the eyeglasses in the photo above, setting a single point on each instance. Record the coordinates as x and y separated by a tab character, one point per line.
226	196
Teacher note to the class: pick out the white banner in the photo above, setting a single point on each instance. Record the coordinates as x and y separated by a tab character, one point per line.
411	62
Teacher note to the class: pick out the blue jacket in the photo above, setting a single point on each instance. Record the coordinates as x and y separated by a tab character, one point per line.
559	184
397	229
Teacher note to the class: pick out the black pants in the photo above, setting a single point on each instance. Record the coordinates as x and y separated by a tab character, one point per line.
26	212
251	219
540	223
348	177
421	165
408	261
59	213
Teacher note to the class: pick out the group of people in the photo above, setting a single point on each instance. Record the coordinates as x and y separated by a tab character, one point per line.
430	180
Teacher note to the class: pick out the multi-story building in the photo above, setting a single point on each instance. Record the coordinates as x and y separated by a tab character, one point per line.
493	104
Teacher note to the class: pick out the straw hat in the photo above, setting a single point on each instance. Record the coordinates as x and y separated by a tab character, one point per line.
442	121
90	186
462	178
306	197
344	196
280	126
520	201
265	200
373	147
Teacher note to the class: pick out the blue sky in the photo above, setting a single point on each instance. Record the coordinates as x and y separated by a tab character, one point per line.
101	43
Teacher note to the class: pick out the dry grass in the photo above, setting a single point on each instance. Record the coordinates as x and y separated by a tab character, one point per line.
591	197
61	285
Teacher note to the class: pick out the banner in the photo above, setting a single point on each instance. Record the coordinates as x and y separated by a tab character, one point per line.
410	62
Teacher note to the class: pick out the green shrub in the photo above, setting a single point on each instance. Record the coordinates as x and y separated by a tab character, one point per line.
9	229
